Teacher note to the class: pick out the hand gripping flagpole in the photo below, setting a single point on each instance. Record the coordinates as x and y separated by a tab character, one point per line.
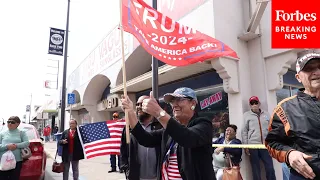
124	76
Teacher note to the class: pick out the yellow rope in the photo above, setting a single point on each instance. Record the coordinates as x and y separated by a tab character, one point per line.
249	146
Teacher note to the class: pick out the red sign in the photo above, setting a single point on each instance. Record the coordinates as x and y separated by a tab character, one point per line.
213	99
295	24
47	84
167	40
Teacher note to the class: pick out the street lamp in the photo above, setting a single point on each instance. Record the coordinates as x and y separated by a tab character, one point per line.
64	77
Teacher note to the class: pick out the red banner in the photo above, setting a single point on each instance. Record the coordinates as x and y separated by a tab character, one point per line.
295	25
167	40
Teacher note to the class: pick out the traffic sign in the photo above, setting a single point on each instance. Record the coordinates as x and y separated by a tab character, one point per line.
28	108
71	98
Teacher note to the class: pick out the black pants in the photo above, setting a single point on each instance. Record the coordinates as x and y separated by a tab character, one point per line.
113	161
261	154
13	174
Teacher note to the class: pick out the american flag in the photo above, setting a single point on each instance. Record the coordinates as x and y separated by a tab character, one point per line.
101	138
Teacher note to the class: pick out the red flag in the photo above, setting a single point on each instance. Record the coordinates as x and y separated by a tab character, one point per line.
167	40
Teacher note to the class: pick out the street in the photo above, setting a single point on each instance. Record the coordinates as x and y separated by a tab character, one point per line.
92	169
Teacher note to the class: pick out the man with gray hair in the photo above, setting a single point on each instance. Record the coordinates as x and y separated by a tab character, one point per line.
294	133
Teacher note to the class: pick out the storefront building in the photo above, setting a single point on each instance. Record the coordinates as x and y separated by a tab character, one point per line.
223	85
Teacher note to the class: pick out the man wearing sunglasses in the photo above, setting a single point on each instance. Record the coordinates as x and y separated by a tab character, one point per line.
255	130
294	136
139	162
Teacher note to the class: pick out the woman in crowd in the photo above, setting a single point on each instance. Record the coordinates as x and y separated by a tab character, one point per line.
185	140
221	154
14	140
72	150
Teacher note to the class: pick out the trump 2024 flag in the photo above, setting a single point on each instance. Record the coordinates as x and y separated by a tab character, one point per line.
167	40
101	138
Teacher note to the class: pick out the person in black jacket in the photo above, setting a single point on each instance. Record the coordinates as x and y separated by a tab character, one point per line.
293	136
72	150
186	140
139	162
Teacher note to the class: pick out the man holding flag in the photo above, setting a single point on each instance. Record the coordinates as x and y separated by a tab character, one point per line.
139	162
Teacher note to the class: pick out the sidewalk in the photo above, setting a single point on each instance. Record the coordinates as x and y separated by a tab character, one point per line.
90	169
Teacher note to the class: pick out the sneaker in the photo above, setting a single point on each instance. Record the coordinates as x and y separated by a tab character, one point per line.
121	171
112	170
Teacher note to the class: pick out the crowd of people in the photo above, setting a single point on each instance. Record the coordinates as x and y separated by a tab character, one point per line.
178	145
183	146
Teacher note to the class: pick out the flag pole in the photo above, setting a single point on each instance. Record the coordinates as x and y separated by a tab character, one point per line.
155	76
124	76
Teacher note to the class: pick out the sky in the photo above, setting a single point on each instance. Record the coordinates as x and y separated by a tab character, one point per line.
24	31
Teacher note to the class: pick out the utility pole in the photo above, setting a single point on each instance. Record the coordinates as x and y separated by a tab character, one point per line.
155	76
64	77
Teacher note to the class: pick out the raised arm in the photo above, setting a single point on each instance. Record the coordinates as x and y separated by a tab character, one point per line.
198	135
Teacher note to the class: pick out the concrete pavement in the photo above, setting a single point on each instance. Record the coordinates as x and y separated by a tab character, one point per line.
90	169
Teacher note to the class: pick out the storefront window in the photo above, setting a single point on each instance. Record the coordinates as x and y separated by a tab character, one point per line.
294	90
283	93
286	92
213	104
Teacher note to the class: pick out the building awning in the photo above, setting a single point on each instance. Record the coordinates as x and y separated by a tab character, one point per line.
166	73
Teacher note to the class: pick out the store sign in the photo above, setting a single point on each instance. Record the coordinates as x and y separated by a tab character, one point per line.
107	53
73	80
110	102
56	41
213	99
39	115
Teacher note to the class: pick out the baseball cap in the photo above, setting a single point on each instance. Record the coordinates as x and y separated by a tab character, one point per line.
254	98
183	92
303	60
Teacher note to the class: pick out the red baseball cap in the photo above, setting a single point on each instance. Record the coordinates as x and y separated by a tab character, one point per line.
254	98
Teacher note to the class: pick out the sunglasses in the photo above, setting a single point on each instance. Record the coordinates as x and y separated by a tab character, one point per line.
180	99
254	102
11	122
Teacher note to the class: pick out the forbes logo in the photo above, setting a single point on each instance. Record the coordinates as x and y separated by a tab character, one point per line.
56	39
296	16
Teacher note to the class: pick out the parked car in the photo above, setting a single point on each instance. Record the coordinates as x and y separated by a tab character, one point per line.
34	167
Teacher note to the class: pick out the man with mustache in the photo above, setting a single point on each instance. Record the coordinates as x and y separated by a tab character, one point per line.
294	136
139	162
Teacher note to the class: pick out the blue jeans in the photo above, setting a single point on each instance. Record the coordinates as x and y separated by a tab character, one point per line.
285	171
296	176
261	154
47	138
113	161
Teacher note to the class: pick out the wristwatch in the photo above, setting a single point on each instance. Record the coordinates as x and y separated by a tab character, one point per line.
161	114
